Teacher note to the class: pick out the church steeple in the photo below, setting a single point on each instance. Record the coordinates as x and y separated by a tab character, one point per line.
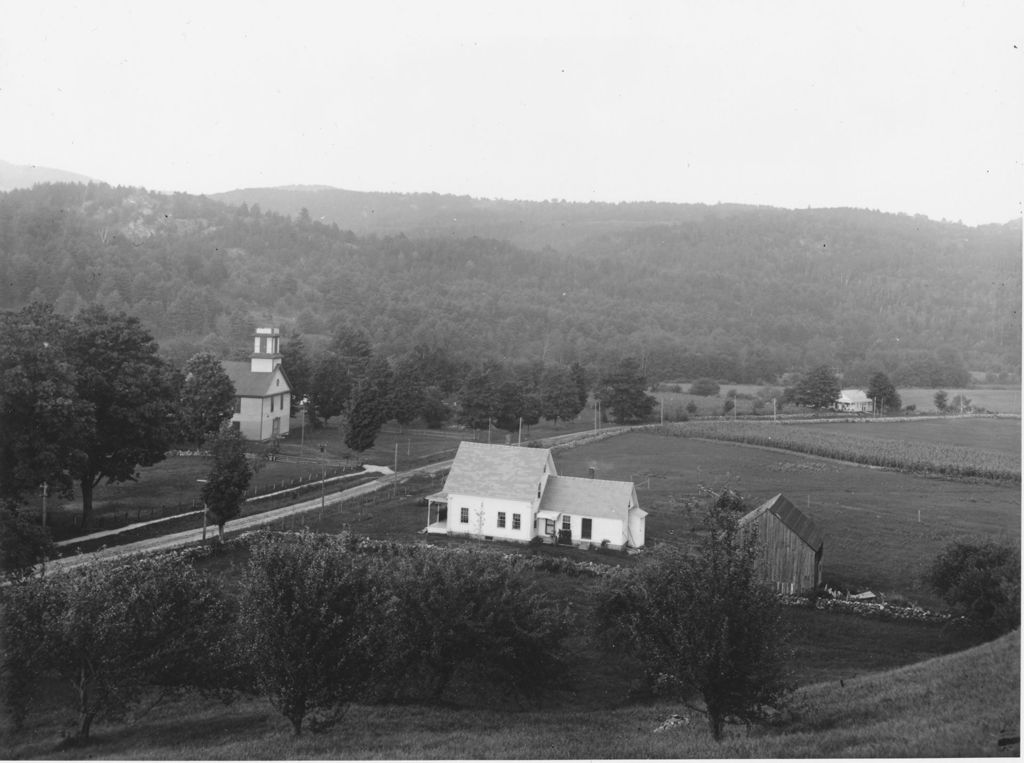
266	350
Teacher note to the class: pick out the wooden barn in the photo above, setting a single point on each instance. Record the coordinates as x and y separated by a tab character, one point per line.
791	545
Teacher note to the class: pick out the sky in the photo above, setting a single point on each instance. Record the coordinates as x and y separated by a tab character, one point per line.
902	106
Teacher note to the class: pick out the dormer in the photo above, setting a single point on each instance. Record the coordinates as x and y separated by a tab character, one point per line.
266	350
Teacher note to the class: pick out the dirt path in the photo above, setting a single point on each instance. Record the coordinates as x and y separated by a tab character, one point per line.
242	524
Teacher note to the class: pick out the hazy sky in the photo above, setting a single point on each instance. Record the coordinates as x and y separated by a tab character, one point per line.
914	107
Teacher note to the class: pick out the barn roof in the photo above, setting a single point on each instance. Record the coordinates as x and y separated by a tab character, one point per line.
249	384
497	471
588	497
801	525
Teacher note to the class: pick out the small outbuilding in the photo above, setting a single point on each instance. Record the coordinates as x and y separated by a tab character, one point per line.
791	545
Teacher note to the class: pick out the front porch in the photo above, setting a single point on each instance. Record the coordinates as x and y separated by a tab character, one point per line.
437	514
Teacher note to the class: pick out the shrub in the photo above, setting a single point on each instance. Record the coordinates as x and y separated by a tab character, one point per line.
981	582
691	407
704	387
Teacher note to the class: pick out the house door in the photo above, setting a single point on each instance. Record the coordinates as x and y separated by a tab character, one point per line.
276	427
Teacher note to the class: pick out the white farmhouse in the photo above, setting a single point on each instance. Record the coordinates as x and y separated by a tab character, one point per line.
513	493
855	400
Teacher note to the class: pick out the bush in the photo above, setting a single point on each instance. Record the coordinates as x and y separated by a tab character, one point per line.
704	387
981	582
691	407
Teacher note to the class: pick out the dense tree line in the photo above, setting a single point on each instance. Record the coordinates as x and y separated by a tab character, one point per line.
740	295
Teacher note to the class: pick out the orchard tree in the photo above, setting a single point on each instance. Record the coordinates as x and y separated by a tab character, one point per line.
308	607
23	544
622	392
224	490
819	388
881	390
206	398
703	621
119	374
113	634
941	401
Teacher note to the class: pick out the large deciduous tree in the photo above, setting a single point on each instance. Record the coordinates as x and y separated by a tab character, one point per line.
228	479
42	418
623	393
882	391
818	388
119	374
329	388
296	363
560	398
704	621
206	398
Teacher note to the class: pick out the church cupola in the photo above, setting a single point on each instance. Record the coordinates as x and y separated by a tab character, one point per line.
266	350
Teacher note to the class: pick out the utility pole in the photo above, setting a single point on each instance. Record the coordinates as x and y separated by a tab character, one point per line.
323	473
520	430
46	490
394	489
775	413
661	399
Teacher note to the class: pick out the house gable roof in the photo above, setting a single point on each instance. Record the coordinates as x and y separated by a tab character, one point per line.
497	471
853	396
249	384
589	497
798	522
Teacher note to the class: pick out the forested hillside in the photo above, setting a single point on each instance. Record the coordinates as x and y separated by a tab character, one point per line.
741	294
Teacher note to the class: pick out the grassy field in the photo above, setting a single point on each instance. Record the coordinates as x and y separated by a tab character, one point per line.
882	528
988	435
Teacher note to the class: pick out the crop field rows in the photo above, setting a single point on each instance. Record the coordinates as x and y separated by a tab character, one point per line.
854	443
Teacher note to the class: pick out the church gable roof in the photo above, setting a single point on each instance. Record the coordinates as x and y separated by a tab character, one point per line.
249	384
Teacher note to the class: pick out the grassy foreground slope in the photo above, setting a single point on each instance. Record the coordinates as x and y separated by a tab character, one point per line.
957	705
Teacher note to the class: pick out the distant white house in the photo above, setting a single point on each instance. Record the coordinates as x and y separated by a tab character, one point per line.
514	493
854	400
263	395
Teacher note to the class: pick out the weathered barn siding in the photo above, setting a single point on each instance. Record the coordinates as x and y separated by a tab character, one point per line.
790	545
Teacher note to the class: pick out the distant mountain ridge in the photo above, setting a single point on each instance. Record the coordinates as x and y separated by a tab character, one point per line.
527	224
27	175
736	294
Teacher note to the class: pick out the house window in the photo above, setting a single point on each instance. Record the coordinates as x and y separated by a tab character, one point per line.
271	405
549	527
516	521
501	519
538	490
566	522
464	515
238	405
585	528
